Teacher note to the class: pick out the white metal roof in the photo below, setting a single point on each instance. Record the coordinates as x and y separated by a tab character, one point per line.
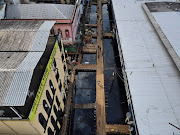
169	23
39	11
154	80
19	55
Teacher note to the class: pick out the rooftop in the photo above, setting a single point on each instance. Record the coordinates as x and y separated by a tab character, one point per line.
39	11
165	17
22	44
153	78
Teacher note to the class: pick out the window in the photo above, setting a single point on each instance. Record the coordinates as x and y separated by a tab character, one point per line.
57	101
53	122
42	121
49	97
59	31
52	31
50	132
57	131
55	111
67	33
57	76
60	113
64	100
46	107
60	47
64	68
60	118
52	87
60	86
68	81
54	65
62	57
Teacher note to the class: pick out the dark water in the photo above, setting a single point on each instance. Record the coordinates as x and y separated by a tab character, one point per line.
84	122
89	59
85	91
112	87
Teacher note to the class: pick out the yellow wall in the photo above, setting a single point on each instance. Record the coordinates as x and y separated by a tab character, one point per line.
26	127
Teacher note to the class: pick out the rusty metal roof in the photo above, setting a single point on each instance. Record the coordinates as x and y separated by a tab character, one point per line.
24	35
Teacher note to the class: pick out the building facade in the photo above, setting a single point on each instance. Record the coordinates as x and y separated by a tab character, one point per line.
42	111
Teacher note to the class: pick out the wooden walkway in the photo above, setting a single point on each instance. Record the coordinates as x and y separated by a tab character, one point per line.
84	106
101	127
100	92
90	50
105	35
123	129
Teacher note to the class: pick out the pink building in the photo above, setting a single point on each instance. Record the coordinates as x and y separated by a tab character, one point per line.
66	16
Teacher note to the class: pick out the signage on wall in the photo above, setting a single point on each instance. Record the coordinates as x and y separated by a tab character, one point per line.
42	84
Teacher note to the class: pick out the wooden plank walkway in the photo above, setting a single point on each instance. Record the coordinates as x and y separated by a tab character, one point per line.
105	35
85	67
87	49
123	129
100	92
91	25
109	35
83	106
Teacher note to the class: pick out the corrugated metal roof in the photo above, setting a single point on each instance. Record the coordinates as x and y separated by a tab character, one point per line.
16	95
24	35
154	80
39	11
169	24
16	68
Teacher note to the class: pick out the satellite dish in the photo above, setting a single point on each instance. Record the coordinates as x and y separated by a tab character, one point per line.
128	115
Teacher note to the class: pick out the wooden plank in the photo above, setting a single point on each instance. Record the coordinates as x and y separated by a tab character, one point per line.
79	58
91	51
87	49
94	35
108	35
91	45
100	93
85	67
91	25
68	105
83	106
123	129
